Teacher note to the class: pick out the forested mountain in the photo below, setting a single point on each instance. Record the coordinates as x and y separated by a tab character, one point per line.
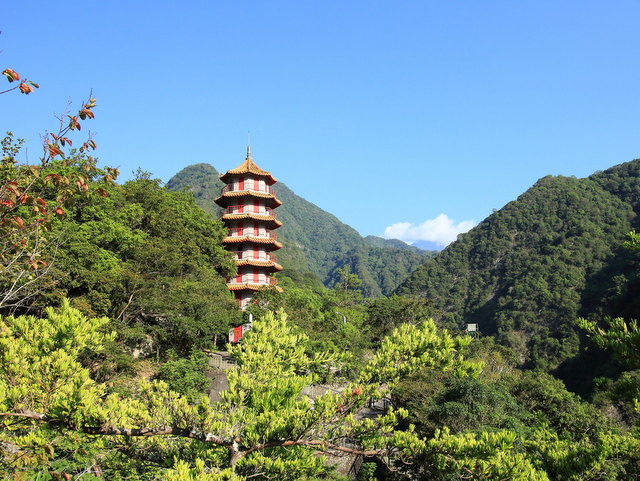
315	240
530	269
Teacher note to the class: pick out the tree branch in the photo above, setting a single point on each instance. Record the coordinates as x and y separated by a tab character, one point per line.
236	449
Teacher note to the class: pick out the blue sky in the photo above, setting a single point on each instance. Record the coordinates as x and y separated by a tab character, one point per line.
419	115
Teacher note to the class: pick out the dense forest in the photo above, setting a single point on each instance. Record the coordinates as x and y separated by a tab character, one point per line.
530	269
316	241
113	295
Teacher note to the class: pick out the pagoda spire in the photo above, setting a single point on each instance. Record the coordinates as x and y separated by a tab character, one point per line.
248	152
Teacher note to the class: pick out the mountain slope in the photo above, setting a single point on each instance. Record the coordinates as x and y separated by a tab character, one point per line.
315	240
530	269
376	241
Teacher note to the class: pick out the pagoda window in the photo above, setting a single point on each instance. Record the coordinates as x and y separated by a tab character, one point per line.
241	183
241	206
256	206
256	275
240	228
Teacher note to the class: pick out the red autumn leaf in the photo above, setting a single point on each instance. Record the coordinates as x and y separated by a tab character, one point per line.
54	150
102	192
25	88
11	186
11	75
51	177
19	221
84	113
59	211
73	123
41	202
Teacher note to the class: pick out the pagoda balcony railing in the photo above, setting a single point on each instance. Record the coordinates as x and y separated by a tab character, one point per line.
248	231
249	279
249	209
250	257
266	190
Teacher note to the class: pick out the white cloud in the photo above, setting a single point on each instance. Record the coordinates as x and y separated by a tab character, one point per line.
442	230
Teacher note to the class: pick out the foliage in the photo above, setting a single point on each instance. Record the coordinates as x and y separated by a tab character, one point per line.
623	394
633	242
347	280
25	86
334	320
186	375
509	424
529	270
622	337
152	261
263	427
34	197
386	313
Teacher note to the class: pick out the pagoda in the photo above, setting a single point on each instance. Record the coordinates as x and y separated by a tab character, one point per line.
248	201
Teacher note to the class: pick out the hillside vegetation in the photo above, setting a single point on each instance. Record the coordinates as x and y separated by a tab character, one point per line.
123	396
315	240
529	270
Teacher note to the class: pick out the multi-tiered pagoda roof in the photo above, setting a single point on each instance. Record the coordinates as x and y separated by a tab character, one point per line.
248	201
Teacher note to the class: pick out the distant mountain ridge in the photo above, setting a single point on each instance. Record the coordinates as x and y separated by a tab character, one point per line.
315	240
529	270
376	241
